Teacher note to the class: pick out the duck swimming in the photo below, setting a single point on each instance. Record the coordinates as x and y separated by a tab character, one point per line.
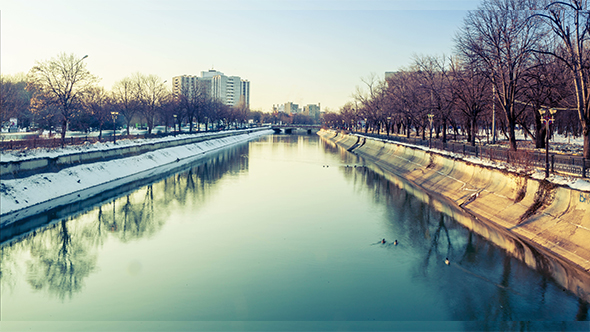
447	261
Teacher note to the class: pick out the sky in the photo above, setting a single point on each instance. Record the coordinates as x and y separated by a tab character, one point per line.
306	52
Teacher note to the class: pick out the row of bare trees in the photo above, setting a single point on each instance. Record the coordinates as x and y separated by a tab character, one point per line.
517	57
62	93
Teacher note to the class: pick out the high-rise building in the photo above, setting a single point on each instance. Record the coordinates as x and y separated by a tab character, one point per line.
245	91
230	90
184	85
291	108
312	111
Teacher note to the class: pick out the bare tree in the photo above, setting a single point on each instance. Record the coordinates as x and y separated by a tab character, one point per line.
497	39
241	112
403	91
546	85
62	82
193	103
436	80
98	105
570	22
368	109
125	97
152	92
472	94
348	115
14	98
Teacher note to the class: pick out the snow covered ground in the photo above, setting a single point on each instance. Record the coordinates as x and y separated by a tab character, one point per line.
28	196
35	194
15	155
559	144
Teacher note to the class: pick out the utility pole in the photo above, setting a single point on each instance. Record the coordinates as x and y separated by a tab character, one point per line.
493	114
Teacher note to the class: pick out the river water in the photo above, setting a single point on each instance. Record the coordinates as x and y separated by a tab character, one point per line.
281	233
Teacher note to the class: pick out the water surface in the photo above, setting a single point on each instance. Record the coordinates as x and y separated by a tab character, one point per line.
282	233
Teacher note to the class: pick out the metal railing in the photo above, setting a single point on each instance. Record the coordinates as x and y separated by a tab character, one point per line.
566	164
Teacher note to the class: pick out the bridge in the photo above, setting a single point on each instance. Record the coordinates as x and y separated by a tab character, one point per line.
288	128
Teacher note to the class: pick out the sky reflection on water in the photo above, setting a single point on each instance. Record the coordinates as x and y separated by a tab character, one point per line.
283	230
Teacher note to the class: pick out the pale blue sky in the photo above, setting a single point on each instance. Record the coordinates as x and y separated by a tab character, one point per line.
300	51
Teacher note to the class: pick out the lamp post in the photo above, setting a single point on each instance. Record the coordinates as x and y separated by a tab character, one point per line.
493	114
175	116
388	125
430	118
547	118
114	115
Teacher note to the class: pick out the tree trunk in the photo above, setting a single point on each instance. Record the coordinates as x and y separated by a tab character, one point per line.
444	133
64	127
473	131
512	135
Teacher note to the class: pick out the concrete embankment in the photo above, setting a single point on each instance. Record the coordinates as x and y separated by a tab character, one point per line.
545	225
19	168
47	189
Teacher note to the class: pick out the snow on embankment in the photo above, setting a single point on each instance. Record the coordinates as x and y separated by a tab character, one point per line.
23	197
540	213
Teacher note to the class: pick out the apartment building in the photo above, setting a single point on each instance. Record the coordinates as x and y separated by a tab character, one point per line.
230	90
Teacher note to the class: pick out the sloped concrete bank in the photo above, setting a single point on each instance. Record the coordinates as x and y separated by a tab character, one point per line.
22	198
20	168
545	225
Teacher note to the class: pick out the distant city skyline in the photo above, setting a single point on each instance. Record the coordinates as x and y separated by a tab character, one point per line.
305	52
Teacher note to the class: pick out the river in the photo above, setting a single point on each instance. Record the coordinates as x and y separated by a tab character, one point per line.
282	233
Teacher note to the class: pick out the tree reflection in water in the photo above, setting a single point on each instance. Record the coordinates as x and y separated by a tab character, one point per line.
63	253
500	288
60	260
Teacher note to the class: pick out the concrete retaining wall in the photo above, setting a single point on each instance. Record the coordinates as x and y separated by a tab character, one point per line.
25	197
17	168
529	218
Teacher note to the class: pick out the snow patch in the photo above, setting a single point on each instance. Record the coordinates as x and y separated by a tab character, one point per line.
41	192
571	182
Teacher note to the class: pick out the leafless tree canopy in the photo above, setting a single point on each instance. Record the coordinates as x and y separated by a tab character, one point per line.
62	83
516	57
512	58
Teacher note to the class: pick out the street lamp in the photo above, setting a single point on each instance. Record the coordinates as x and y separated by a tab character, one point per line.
84	57
114	115
547	118
388	125
175	116
430	118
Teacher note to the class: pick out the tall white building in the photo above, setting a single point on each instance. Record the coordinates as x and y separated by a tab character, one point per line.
245	91
230	90
184	85
190	86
